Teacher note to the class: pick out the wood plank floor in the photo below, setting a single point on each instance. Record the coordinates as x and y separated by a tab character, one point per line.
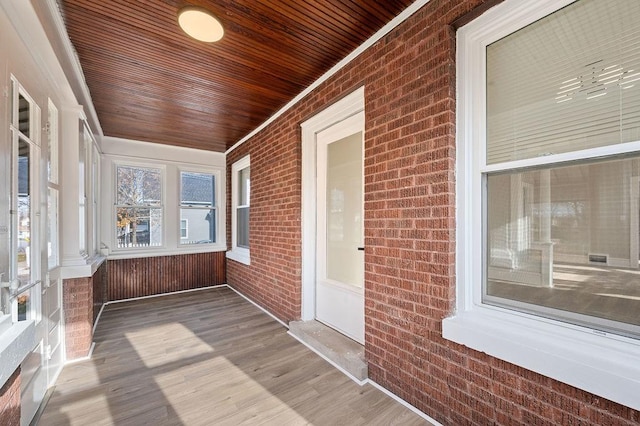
208	358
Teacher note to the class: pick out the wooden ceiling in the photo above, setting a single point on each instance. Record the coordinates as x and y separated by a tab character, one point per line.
149	81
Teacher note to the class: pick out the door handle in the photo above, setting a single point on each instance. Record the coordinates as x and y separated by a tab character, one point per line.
361	248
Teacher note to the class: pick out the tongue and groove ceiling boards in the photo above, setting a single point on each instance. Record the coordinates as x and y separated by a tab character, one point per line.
150	81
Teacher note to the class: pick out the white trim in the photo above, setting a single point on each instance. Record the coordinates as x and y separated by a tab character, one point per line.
600	363
16	343
329	360
403	16
239	254
95	324
151	296
259	307
87	357
346	107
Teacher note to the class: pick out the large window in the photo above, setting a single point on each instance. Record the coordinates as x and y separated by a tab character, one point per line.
197	208
138	206
561	221
549	190
240	207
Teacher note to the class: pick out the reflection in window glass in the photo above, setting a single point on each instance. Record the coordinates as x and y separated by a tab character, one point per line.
197	208
566	238
562	239
52	227
24	252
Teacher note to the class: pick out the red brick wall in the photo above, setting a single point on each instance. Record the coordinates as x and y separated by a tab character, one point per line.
409	79
10	401
77	298
82	299
273	280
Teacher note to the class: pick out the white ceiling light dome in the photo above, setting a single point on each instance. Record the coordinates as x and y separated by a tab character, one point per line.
200	24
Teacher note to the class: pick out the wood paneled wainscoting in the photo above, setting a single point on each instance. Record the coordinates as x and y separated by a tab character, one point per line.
129	278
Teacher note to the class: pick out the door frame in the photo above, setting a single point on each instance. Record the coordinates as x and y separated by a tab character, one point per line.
344	108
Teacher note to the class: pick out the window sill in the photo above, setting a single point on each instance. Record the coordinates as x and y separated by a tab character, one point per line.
239	255
15	344
163	251
602	364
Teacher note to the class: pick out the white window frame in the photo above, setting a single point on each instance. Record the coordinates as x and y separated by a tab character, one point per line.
161	206
216	202
602	363
239	254
53	123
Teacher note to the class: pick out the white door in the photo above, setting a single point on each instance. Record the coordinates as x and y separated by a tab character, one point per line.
26	244
340	230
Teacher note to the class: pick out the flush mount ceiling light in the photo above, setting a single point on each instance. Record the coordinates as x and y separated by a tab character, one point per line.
200	24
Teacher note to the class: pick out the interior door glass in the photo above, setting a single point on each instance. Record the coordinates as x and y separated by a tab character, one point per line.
344	210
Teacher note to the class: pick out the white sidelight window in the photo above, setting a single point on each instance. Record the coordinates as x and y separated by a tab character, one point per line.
240	206
549	191
139	208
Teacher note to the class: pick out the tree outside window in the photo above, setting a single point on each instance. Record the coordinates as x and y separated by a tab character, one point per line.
138	206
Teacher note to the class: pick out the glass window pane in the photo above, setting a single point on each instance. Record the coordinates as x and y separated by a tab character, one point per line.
344	210
52	227
24	305
244	186
197	189
138	186
24	116
197	226
568	82
52	153
242	239
139	227
564	241
24	211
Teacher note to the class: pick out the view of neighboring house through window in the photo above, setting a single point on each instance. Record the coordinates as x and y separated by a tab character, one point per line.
562	167
197	208
138	206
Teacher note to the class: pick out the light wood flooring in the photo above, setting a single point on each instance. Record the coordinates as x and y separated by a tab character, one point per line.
208	358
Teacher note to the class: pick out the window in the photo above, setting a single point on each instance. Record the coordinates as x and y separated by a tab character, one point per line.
548	191
240	202
197	208
95	195
21	295
82	189
53	189
138	206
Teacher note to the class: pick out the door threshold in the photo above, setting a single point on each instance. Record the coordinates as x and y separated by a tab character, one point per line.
345	353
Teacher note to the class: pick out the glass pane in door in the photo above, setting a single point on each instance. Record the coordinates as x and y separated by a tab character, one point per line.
344	210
